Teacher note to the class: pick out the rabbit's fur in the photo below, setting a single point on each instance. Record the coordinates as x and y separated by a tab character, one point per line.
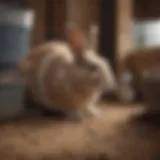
61	78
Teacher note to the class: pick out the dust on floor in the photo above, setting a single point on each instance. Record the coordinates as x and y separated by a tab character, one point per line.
113	135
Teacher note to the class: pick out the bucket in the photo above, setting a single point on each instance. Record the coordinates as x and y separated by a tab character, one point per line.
15	34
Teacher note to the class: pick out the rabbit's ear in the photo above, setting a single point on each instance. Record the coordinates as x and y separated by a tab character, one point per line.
93	37
75	37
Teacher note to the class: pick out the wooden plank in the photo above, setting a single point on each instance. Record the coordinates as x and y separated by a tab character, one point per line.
107	46
57	18
116	30
39	30
124	31
83	13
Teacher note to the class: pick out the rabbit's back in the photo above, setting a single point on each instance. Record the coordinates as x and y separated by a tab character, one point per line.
70	86
55	79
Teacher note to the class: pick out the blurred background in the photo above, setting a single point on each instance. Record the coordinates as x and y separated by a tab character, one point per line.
122	25
126	32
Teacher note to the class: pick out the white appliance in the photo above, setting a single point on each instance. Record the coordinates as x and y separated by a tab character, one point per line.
146	33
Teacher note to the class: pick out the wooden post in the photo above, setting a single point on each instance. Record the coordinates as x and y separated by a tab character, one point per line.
83	12
115	30
56	18
107	33
124	31
77	12
39	30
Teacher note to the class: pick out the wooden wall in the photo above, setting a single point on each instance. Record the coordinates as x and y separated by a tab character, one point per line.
39	29
83	12
145	9
107	39
52	15
115	30
116	26
124	22
56	18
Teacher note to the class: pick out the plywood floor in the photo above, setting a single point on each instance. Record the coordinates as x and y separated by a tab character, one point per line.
112	136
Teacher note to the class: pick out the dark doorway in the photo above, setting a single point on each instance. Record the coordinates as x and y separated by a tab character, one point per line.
107	45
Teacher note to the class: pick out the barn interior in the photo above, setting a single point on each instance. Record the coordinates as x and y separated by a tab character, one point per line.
127	32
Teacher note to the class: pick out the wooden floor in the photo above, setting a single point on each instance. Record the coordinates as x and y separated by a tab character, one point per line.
114	135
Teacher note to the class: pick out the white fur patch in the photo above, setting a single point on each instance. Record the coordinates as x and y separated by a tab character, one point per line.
105	68
59	49
40	76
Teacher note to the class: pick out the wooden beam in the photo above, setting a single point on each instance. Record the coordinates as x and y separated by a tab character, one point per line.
39	30
124	21
83	12
115	30
146	10
107	31
77	12
56	18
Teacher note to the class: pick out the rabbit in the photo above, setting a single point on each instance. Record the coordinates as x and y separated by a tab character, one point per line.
67	76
